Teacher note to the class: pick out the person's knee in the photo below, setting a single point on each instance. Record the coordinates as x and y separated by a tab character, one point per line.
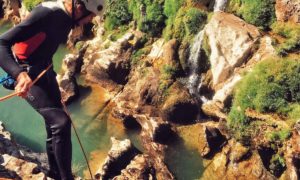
57	120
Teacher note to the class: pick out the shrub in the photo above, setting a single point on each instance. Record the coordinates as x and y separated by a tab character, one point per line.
30	4
187	23
289	31
258	12
149	15
279	136
117	14
272	86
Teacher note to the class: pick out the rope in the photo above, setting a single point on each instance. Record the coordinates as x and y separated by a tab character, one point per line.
33	82
77	136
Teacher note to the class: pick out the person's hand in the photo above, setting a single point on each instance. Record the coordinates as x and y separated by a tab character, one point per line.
24	83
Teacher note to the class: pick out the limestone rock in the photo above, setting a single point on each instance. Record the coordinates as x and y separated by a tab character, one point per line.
119	156
179	106
110	66
221	167
18	162
231	41
137	169
288	10
211	141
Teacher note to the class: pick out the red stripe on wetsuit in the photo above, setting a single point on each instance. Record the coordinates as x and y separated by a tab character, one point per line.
24	49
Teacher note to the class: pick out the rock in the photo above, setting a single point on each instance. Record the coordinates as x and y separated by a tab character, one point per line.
111	66
23	169
68	88
139	168
214	106
221	167
239	152
288	10
179	107
66	80
211	141
231	41
119	156
18	162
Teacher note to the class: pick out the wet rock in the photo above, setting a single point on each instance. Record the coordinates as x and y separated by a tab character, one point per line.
180	107
231	41
211	141
119	156
139	168
288	10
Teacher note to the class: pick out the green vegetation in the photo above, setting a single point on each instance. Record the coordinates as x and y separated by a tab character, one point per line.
279	136
30	4
291	33
167	75
117	14
149	15
277	163
187	23
261	13
272	87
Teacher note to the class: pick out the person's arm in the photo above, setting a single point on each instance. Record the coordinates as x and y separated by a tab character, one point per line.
23	31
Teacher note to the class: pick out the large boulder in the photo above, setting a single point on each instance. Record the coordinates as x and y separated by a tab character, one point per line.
288	10
231	41
180	106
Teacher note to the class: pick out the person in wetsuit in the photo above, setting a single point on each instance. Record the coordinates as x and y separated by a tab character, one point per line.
33	42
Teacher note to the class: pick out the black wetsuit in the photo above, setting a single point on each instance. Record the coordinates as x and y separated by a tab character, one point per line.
34	41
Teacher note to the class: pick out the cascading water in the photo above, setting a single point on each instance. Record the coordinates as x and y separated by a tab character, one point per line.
220	5
193	62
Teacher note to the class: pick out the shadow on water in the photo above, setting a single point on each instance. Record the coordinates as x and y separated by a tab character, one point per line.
183	162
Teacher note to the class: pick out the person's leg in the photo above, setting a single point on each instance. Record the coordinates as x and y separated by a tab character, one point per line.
58	127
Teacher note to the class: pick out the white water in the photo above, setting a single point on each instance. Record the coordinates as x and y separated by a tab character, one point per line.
193	83
220	5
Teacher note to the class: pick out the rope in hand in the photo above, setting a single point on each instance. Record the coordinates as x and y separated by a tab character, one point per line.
77	136
33	82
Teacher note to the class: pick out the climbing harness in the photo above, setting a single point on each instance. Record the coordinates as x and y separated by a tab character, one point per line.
33	82
78	139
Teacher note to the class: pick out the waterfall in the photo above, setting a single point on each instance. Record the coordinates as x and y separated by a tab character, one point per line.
193	82
220	5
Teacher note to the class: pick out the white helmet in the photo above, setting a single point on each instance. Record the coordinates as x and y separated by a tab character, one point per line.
95	6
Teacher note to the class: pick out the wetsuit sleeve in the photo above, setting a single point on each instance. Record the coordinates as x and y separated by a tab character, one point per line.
23	31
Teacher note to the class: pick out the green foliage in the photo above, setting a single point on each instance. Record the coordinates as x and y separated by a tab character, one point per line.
167	75
272	86
171	7
187	23
258	12
289	31
149	15
277	165
279	136
117	14
30	4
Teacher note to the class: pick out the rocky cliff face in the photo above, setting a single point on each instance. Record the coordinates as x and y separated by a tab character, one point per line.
242	131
